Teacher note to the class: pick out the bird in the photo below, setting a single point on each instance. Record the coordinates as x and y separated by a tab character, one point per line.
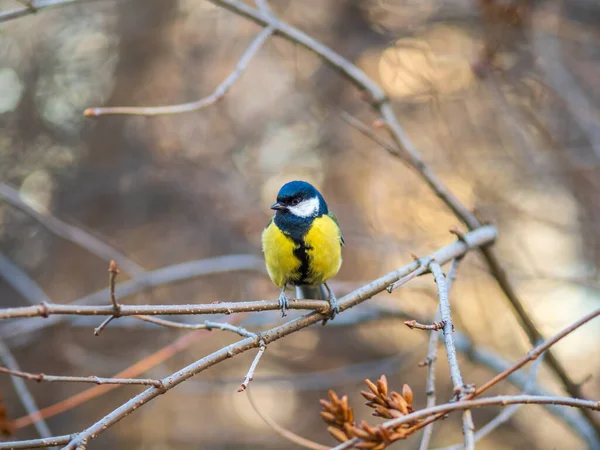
302	244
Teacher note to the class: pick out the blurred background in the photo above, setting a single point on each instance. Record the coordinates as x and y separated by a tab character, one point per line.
501	99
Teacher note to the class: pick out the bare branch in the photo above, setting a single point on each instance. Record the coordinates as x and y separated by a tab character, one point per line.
502	400
39	377
70	232
431	358
506	413
292	437
147	281
533	354
23	392
206	325
482	236
250	375
32	7
457	381
37	443
113	271
21	282
412	324
213	98
536	352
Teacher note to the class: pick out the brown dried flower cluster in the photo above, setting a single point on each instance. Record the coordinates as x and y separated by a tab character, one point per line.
340	416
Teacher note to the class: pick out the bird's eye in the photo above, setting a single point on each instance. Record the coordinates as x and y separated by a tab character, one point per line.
295	201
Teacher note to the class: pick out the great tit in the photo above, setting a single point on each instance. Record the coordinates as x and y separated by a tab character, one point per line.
303	244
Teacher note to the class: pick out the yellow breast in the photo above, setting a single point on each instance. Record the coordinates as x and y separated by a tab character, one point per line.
323	241
323	248
282	264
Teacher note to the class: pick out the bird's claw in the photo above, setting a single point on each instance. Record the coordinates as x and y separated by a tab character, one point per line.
283	303
334	307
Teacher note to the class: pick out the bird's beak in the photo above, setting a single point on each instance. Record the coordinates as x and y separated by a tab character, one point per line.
278	207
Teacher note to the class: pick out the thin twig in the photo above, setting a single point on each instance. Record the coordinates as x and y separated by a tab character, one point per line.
147	281
49	309
23	393
139	367
502	400
32	7
405	150
457	381
39	377
37	443
506	413
21	282
536	352
452	251
531	355
292	437
412	324
72	233
113	271
250	375
213	98
206	325
431	358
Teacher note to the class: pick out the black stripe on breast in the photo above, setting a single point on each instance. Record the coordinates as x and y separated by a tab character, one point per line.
301	252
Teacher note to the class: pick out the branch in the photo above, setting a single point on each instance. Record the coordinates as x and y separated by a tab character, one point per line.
536	352
49	309
482	236
286	434
213	98
21	282
71	233
533	354
457	381
405	150
506	413
23	393
33	7
431	358
250	375
113	271
39	377
502	400
471	221
37	443
147	281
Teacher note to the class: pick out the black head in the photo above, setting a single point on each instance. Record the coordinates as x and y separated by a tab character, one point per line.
300	199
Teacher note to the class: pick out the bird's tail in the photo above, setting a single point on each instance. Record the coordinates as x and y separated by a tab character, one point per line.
304	292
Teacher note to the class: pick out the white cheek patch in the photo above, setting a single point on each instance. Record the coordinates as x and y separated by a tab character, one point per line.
306	208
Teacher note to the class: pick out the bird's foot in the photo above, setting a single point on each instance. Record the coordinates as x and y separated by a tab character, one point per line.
283	302
334	307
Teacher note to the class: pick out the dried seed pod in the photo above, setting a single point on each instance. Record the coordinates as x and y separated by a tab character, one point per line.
382	386
349	415
372	387
359	433
344	402
395	413
368	428
327	417
368	395
407	393
381	411
335	400
397	435
338	434
399	403
366	445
